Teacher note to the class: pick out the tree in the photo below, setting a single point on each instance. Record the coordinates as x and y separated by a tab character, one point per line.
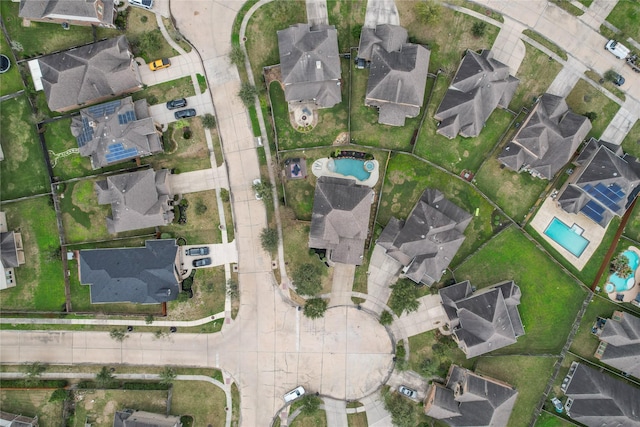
232	289
247	94
262	189
59	395
209	121
306	278
404	297
401	410
34	371
386	318
167	375
236	56
610	75
269	239
315	308
620	266
119	334
104	378
148	319
309	404
478	29
427	11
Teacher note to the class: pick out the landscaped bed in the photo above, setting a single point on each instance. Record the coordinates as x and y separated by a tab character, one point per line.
585	98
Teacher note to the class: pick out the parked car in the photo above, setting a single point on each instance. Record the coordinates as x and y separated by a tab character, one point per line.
183	114
176	103
294	394
257	181
557	403
198	251
159	64
147	4
410	393
617	49
618	80
202	262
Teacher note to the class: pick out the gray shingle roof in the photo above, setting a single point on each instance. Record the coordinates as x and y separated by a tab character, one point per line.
602	169
601	400
622	336
91	12
389	37
310	64
131	418
428	240
480	85
340	218
8	250
547	140
483	321
145	275
469	399
116	132
138	199
88	74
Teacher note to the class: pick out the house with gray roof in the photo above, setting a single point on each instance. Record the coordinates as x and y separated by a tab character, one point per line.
116	132
87	74
470	399
11	253
8	419
604	184
146	275
100	13
596	399
140	199
310	64
547	139
484	320
480	85
397	73
340	219
135	418
428	240
620	343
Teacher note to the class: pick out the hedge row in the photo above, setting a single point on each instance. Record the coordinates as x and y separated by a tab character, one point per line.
33	384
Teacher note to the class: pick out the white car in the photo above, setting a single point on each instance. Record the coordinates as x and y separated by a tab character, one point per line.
147	4
406	391
294	394
256	182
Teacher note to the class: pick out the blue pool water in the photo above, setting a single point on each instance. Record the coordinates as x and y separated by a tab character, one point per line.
622	284
563	235
349	167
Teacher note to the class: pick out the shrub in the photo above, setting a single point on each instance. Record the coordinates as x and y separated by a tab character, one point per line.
479	28
404	297
247	94
148	319
310	404
146	386
591	115
186	134
427	11
149	42
119	334
209	121
232	289
224	194
236	56
315	308
386	318
401	353
356	30
60	395
269	239
201	208
401	410
306	278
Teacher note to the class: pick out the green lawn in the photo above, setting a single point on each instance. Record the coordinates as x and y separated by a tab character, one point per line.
10	81
139	22
631	142
632	230
40	281
209	290
99	406
366	130
58	138
163	92
550	298
202	220
82	217
546	43
625	16
547	419
204	401
528	374
586	98
458	153
346	15
316	419
406	180
23	171
32	403
536	73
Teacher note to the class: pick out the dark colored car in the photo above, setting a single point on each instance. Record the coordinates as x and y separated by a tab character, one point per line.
202	262
183	114
618	80
176	103
198	251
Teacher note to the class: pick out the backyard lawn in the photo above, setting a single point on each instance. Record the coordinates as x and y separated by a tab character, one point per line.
40	281
550	298
528	374
66	165
625	16
32	403
536	73
23	171
586	98
585	343
458	153
406	180
10	81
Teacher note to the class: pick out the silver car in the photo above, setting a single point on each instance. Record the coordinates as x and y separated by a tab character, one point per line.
410	393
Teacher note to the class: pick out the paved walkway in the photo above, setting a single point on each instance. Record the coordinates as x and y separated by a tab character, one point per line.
621	123
429	315
567	78
508	47
377	415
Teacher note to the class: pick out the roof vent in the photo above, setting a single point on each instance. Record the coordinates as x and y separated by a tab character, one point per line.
615	174
318	65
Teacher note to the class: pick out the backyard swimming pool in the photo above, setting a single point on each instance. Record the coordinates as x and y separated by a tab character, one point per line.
569	238
621	284
351	167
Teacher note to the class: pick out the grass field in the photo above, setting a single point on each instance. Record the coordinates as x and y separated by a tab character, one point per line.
204	401
99	406
40	281
346	15
586	98
316	419
631	142
209	290
82	217
536	73
163	92
632	230
357	420
406	180
31	403
550	298
625	16
22	172
547	419
10	81
528	374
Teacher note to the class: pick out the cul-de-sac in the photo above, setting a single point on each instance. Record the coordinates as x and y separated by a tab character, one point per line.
309	213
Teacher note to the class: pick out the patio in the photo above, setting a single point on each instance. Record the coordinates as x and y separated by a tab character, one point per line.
630	294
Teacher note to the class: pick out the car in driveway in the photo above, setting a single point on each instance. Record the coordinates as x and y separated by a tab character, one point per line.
159	64
147	4
294	394
618	80
176	103
183	114
203	250
202	262
409	392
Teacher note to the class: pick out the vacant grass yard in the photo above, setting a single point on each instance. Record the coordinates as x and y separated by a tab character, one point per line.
139	22
31	403
586	98
536	73
550	298
209	290
40	283
163	92
458	153
10	81
22	172
202	220
366	130
625	16
406	180
631	143
447	37
528	374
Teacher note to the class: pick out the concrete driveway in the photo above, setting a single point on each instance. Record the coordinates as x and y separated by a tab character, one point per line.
383	271
381	12
317	12
201	103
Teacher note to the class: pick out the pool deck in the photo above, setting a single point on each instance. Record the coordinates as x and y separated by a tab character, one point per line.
629	294
592	231
319	169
